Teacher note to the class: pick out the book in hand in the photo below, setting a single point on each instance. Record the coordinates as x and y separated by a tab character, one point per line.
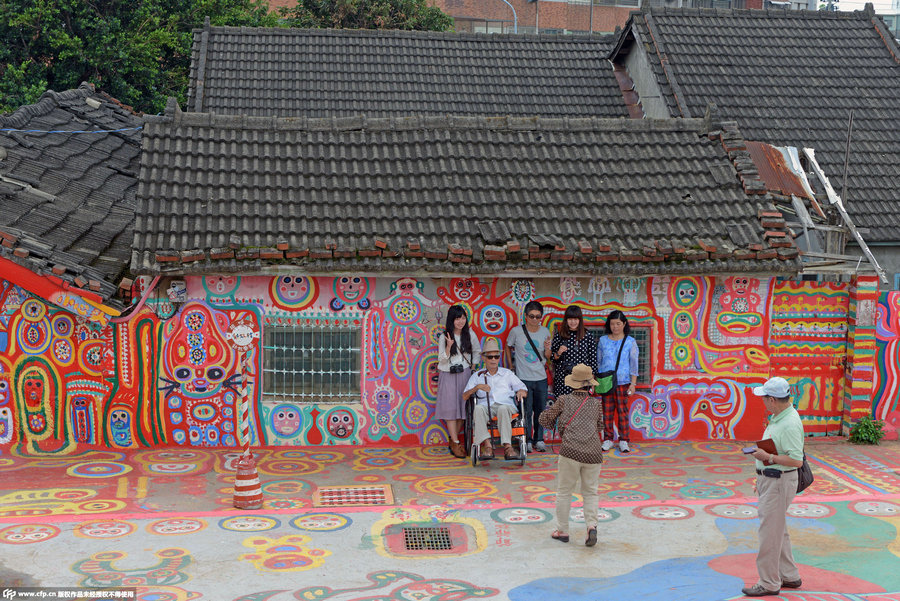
766	445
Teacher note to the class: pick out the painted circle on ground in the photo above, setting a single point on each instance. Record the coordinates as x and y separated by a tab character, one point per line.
663	512
98	469
103	529
603	515
716	448
705	491
627	495
286	487
249	524
539	477
879	508
612	474
734	511
456	486
321	522
810	510
697	459
25	534
171	468
665	460
521	515
176	526
667	472
724	469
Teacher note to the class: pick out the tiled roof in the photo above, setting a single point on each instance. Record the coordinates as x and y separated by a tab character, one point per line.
342	73
790	78
452	195
67	199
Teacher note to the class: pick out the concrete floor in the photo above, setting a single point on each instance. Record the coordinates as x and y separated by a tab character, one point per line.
678	522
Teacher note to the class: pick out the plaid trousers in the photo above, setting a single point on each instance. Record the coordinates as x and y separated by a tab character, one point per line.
615	407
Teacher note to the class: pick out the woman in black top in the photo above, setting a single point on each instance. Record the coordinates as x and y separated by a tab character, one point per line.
572	344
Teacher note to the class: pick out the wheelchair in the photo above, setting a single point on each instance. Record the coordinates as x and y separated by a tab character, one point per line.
516	440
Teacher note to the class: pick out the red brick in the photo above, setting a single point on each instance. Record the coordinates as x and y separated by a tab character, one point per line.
320	254
369	252
281	245
413	253
21	253
767	254
513	247
707	245
167	257
380	242
221	253
94	285
270	253
584	248
296	254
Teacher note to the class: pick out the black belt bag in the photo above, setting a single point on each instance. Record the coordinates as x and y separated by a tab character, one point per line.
771	472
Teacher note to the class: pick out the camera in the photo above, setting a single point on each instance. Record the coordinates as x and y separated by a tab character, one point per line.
455	369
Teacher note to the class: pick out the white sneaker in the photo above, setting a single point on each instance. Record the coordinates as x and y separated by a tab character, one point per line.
540	447
623	446
530	448
607	445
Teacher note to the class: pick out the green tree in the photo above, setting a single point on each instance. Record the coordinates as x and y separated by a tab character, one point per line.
367	14
138	51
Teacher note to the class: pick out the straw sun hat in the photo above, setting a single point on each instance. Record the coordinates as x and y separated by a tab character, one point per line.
581	376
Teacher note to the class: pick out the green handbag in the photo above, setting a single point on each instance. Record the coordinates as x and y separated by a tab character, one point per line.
607	379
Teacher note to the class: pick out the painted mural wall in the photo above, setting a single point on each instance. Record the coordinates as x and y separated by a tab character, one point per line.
173	374
886	384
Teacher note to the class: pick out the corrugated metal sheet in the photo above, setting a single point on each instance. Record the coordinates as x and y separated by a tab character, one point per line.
775	170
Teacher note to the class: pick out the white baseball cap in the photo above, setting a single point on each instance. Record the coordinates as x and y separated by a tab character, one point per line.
776	387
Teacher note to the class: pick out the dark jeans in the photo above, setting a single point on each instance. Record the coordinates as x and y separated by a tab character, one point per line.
535	403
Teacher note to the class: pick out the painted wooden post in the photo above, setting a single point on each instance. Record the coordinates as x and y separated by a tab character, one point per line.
247	488
861	352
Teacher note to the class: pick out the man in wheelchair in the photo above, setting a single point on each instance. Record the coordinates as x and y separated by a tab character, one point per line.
498	388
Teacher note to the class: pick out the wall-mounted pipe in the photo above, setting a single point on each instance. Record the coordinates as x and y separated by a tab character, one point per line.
140	304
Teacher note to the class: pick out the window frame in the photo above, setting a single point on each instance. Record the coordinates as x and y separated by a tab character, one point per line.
312	378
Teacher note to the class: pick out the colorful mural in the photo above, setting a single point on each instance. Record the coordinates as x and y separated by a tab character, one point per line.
352	360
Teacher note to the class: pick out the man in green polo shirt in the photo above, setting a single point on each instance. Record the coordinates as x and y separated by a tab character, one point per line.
776	483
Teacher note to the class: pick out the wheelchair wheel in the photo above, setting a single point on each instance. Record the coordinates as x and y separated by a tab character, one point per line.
523	453
473	454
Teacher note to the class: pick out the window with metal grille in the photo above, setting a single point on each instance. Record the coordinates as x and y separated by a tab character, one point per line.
311	364
642	335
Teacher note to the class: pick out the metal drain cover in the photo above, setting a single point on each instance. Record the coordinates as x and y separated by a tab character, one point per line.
433	538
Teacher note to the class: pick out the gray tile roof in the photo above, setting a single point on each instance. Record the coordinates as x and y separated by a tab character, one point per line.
341	73
452	195
67	199
790	78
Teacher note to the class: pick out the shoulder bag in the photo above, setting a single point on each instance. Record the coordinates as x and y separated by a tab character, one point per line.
804	475
607	379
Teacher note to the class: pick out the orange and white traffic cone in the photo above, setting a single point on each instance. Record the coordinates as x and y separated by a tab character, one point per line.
247	490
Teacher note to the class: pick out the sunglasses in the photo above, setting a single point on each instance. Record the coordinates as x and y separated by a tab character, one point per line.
491	356
534	316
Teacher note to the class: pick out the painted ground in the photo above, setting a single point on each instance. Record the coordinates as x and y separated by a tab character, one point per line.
678	523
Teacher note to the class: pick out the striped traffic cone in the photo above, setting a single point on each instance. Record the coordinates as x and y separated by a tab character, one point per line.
247	491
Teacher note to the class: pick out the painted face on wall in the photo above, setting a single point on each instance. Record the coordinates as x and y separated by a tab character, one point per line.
120	425
6	425
83	418
197	356
286	420
685	293
293	292
221	285
464	289
340	423
350	290
492	319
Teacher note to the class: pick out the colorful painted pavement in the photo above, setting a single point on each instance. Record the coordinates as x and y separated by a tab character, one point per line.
678	522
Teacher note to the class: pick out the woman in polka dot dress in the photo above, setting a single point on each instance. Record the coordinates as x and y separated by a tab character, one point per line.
572	344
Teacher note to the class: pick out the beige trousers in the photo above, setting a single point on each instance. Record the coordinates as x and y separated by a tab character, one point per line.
568	473
503	413
775	561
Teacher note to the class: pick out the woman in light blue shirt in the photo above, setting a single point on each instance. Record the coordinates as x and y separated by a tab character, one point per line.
615	402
